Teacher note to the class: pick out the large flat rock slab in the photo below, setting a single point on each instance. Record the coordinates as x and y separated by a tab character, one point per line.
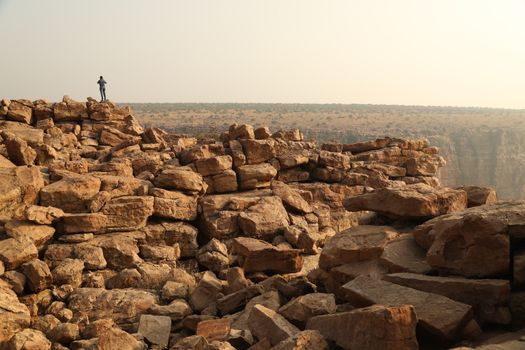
439	315
489	297
475	242
356	244
370	328
416	201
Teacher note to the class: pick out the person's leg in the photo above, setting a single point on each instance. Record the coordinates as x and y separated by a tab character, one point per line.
101	94
105	98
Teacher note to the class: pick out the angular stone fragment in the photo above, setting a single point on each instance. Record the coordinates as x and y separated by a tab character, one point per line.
293	159
402	254
214	329
240	132
16	251
156	329
255	175
302	308
223	182
264	220
214	255
488	297
84	223
19	185
213	165
182	179
28	339
38	234
176	310
43	215
356	244
472	243
174	205
71	194
174	290
479	195
266	323
305	340
14	316
291	197
20	111
236	301
128	213
258	255
64	333
69	110
373	327
438	315
122	305
38	275
69	271
19	152
258	151
205	292
411	201
160	252
92	256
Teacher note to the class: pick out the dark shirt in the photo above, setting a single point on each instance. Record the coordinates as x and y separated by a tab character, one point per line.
102	83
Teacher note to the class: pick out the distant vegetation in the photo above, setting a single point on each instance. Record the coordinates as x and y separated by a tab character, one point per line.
484	146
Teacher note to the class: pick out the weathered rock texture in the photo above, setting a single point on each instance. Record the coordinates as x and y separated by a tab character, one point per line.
119	237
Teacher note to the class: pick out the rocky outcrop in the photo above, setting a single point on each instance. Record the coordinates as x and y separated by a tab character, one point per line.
115	236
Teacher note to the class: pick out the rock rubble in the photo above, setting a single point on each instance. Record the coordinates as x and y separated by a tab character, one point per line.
116	236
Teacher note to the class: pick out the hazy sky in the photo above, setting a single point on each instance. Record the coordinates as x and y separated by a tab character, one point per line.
429	52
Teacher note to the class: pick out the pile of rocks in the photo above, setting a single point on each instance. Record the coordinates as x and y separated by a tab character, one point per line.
116	236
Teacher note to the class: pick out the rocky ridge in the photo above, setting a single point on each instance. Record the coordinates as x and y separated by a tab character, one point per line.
116	236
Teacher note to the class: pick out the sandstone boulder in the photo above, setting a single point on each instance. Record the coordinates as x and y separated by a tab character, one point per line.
38	234
258	151
43	215
257	255
182	179
20	111
291	198
474	242
16	251
214	256
38	275
305	340
174	205
19	152
28	339
412	201
265	219
71	194
442	317
255	175
14	316
214	329
83	223
155	329
479	195
122	305
213	165
356	244
301	309
402	254
266	323
18	186
488	297
128	213
373	327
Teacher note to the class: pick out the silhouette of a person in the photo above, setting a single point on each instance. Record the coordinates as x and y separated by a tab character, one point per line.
102	86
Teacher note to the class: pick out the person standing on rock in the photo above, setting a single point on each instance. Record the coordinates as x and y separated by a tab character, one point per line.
102	86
